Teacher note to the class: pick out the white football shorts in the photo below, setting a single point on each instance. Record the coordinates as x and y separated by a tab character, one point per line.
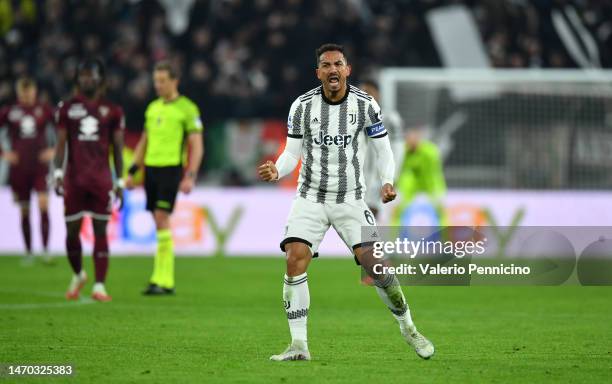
309	221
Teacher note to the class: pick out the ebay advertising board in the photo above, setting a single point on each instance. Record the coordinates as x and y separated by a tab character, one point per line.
251	221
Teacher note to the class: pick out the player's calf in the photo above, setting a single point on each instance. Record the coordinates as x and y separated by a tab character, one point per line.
44	229
296	299
26	229
298	258
390	292
73	245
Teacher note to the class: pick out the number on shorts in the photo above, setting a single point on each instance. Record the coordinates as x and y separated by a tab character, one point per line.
369	217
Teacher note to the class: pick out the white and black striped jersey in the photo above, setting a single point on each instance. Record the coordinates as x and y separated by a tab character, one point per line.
335	142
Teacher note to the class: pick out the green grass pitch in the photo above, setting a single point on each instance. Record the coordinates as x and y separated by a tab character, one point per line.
227	319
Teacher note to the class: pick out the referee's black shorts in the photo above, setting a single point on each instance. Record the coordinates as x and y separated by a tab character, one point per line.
161	186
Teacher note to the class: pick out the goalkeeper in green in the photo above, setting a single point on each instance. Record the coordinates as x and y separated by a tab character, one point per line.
421	172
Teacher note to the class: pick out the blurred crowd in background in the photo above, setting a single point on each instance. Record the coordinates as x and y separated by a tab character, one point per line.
244	58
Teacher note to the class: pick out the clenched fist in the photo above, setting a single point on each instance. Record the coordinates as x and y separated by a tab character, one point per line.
11	157
388	193
267	171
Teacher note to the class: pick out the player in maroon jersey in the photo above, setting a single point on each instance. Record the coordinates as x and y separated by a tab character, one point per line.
30	132
88	124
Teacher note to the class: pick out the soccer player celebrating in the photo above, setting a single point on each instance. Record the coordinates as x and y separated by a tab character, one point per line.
330	127
30	133
170	121
88	125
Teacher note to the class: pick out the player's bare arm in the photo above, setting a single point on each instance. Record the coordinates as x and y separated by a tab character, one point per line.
46	155
139	153
141	149
8	155
11	157
196	151
60	152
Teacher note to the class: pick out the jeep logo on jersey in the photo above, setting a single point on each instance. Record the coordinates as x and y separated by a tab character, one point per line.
327	140
27	127
88	129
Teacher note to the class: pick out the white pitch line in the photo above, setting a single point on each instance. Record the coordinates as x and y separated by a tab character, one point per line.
34	293
63	304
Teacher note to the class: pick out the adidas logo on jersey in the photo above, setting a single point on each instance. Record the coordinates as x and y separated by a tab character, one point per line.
327	140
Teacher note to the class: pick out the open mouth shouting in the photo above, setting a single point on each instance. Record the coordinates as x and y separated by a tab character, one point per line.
334	82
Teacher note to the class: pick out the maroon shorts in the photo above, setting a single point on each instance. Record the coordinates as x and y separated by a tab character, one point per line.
95	199
24	181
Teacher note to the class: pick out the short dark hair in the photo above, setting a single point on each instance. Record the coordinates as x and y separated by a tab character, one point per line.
173	72
93	64
327	48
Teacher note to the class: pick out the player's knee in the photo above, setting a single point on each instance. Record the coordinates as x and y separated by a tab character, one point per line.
43	204
99	227
366	259
25	210
72	229
162	219
298	256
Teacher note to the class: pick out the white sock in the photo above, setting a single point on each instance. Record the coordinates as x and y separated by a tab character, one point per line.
77	279
99	288
391	294
297	303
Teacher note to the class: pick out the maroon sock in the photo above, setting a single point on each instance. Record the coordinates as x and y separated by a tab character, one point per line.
25	230
100	257
44	228
75	257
